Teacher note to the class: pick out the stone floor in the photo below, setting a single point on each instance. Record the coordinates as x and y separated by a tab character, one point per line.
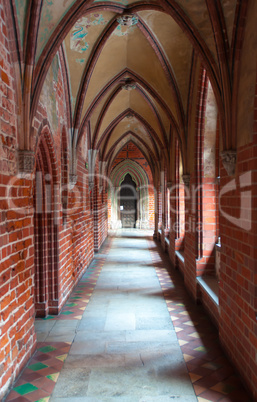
130	333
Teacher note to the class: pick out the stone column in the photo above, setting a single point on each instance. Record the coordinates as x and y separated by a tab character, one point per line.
115	211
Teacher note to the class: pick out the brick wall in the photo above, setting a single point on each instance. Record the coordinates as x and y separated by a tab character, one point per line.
238	325
17	336
210	306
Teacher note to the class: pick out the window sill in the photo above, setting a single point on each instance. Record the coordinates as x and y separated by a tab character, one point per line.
180	255
211	286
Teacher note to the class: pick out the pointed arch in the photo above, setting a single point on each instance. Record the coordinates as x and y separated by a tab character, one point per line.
46	273
111	155
133	168
151	132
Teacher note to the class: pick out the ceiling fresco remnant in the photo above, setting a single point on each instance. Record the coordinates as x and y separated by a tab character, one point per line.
48	96
79	44
21	10
52	13
79	33
122	30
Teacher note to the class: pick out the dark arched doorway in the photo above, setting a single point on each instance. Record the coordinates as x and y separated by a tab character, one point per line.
128	202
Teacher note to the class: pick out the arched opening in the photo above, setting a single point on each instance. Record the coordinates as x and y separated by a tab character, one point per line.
179	200
46	290
137	167
207	185
128	202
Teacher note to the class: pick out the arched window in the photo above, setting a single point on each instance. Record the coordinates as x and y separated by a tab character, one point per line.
179	190
206	192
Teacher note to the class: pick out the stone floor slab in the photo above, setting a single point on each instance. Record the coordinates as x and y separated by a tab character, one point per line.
125	344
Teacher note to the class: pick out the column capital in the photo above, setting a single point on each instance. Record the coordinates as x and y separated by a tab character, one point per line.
26	161
229	159
72	180
186	179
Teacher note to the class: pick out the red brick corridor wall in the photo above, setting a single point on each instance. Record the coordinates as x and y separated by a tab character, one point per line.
75	239
77	236
236	315
238	286
17	338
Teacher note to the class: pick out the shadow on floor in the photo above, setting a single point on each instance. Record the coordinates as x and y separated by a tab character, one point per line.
213	376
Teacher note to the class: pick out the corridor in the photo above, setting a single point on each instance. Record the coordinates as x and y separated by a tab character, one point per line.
130	333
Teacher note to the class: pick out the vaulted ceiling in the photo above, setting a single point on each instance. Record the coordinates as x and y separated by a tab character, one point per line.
129	63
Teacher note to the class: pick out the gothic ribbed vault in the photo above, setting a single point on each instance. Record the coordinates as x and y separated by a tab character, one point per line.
130	67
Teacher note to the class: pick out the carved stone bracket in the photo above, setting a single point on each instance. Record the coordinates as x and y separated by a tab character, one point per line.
186	179
91	184
73	180
129	85
229	159
127	20
26	161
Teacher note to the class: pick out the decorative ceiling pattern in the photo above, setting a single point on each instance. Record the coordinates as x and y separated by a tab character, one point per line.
131	64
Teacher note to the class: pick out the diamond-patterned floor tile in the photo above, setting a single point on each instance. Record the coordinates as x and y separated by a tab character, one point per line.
25	389
37	366
187	358
47	349
197	337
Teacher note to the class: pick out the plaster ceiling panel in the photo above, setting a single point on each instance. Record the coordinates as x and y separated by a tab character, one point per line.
163	116
198	13
119	104
129	124
176	46
48	95
140	105
229	9
162	113
79	44
21	11
112	60
96	113
124	142
51	14
142	59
